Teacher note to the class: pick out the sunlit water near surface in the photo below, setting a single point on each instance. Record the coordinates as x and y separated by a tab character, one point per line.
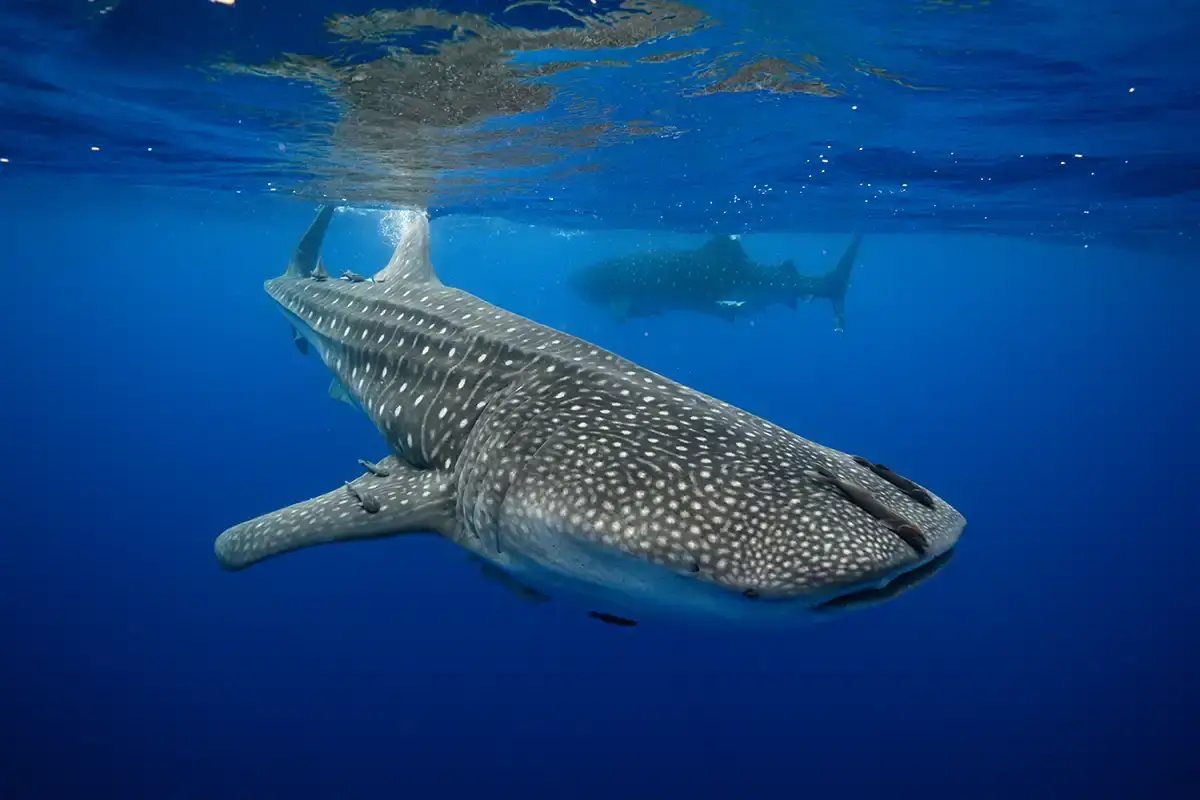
1031	119
1021	337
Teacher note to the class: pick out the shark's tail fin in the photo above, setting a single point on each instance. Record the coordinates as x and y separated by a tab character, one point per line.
837	282
304	260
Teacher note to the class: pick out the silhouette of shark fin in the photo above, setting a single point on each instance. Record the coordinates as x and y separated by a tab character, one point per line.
338	391
496	575
406	500
410	263
723	247
838	281
300	342
619	308
304	259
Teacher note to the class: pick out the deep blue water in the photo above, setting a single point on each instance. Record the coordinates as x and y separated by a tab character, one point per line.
1046	388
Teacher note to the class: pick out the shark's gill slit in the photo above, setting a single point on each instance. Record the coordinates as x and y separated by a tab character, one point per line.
862	498
899	481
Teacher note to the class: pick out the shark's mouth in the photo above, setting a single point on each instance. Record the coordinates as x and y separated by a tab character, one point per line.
901	584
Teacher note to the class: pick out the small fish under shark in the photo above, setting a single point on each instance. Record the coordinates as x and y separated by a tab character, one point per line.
568	471
717	279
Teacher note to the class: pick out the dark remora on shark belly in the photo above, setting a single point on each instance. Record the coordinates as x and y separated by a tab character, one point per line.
567	470
716	279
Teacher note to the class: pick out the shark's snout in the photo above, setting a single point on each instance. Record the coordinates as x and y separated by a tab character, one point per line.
844	534
741	522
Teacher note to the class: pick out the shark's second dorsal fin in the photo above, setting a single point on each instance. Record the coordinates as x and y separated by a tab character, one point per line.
724	247
304	259
410	262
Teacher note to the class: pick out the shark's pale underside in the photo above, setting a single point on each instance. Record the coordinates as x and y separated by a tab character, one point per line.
568	470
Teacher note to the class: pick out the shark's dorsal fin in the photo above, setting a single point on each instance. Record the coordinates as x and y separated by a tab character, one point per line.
724	248
304	259
410	262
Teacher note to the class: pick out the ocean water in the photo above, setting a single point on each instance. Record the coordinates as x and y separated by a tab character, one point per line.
1021	338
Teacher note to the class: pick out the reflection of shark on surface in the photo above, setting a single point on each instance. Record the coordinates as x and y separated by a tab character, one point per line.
716	279
567	470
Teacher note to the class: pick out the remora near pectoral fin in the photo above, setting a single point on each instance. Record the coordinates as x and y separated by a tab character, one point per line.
408	500
410	262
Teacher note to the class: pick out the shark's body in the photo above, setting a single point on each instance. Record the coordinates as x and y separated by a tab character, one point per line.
717	279
569	470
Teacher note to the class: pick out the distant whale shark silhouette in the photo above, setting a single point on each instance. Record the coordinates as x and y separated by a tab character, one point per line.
569	471
716	278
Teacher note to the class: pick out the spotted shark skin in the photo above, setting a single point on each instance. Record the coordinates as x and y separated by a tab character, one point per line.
578	473
716	279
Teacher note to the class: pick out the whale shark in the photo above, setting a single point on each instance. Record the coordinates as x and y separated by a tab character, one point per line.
717	279
567	471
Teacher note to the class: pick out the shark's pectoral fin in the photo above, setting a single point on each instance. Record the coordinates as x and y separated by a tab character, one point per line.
496	575
406	500
619	308
300	342
338	391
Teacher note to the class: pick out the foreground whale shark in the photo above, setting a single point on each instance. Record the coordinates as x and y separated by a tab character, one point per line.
569	471
716	278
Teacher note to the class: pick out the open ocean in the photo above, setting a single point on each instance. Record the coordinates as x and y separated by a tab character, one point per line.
1021	336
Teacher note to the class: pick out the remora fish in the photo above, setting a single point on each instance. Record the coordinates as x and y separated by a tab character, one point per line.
575	472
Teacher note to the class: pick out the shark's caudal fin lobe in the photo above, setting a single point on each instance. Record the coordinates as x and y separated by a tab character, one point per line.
410	263
838	281
407	500
304	259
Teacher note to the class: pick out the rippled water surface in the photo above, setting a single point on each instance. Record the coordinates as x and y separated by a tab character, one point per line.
1029	118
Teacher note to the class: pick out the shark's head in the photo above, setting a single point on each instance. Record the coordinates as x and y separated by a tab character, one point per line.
726	513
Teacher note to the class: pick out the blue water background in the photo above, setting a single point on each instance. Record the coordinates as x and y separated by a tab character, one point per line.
154	398
1022	338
